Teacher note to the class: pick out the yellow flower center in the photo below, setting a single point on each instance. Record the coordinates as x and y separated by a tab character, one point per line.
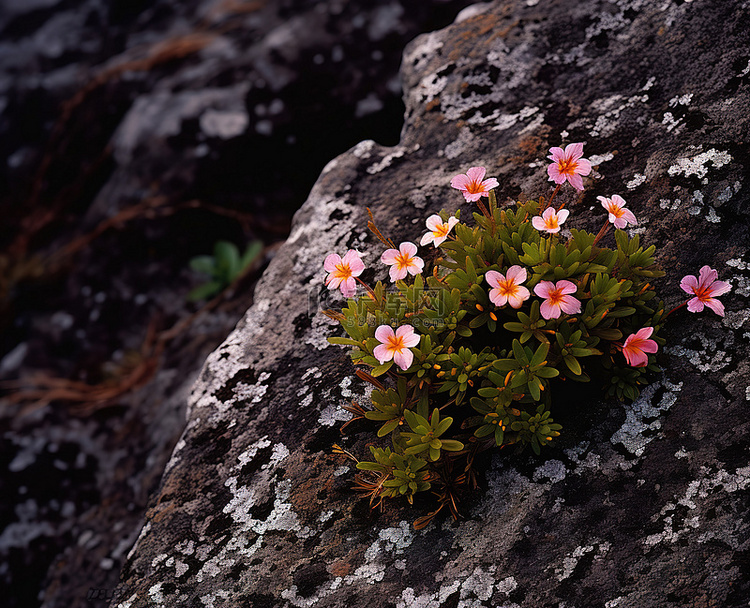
441	230
396	344
507	288
343	271
567	166
403	260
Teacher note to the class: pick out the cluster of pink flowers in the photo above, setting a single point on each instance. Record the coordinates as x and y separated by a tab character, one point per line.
506	289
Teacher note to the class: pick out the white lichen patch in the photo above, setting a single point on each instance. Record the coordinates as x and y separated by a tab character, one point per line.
609	111
642	417
473	588
554	470
711	356
698	165
570	561
637	180
707	488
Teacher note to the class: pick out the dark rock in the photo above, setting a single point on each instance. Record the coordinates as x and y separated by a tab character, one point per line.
649	507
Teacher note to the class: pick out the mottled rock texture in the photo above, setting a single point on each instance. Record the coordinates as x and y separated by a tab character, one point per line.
639	505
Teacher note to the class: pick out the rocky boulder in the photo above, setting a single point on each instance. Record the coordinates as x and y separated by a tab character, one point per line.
638	505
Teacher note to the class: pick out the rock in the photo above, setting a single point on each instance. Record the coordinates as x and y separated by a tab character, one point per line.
639	505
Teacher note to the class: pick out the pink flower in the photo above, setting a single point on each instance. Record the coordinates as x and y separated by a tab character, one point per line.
507	289
471	184
618	215
550	220
705	288
395	345
342	272
402	261
568	164
637	345
557	298
438	230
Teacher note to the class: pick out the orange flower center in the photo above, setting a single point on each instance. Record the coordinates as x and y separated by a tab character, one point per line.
396	343
403	260
343	271
441	230
551	222
507	288
475	187
567	166
615	210
555	297
703	293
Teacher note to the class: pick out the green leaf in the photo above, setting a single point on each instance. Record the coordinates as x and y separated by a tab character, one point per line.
204	264
204	291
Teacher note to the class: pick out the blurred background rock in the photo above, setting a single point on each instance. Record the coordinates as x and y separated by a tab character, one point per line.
135	135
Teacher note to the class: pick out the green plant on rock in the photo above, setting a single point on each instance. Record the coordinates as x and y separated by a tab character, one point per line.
222	268
469	351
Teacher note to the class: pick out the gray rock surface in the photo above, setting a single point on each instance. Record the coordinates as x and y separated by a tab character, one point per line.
639	505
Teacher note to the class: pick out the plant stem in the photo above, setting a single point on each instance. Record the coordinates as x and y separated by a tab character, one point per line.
551	198
602	232
367	287
675	308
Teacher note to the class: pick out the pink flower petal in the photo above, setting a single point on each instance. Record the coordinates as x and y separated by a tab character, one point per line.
389	256
619	222
452	221
497	297
355	263
629	217
333	282
570	305
382	353
544	289
384	334
403	358
538	222
433	222
348	287
576	181
644	333
719	288
565	287
584	167
516	274
618	200
397	273
490	183
472	198
427	239
635	357
493	278
562	215
574	151
410	338
716	306
695	305
707	275
460	182
331	262
518	298
556	154
409	249
549	311
554	174
476	174
689	284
